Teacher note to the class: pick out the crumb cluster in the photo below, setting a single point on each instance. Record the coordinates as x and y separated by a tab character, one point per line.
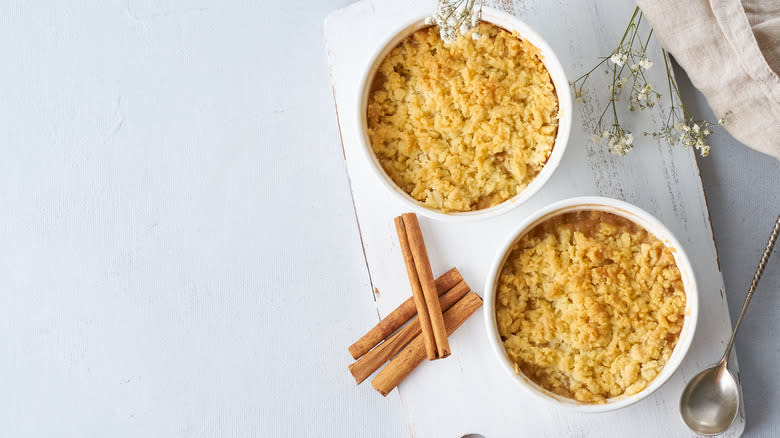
590	306
462	126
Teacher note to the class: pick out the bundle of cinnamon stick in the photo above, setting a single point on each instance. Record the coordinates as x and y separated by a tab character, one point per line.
440	307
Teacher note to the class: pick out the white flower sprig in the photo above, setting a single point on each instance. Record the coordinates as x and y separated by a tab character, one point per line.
456	17
680	126
627	64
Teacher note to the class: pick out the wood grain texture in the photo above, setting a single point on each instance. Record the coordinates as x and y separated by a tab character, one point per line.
174	197
664	181
166	217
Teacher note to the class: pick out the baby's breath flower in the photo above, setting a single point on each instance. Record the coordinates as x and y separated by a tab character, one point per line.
626	65
690	133
456	17
619	58
446	36
618	140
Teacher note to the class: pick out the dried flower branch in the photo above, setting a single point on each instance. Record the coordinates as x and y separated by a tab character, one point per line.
456	17
680	126
627	64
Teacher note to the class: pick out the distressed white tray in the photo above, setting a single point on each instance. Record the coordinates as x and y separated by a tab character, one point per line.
468	392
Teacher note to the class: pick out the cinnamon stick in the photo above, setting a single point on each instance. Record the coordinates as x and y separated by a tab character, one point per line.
377	357
425	276
417	291
414	353
400	316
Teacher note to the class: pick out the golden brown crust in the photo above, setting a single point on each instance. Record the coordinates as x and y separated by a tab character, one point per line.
465	126
590	306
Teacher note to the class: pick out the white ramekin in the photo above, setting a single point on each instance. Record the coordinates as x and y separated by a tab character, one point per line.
560	82
649	223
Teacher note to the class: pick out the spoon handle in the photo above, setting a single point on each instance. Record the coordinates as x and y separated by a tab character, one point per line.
757	276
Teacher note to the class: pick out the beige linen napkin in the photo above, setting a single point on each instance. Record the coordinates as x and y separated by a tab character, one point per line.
731	52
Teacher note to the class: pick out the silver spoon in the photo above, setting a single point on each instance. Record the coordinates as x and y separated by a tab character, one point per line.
709	402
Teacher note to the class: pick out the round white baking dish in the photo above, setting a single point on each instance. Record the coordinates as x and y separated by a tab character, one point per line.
560	82
649	223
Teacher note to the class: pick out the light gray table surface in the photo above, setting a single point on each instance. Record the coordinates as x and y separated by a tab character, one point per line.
180	255
742	187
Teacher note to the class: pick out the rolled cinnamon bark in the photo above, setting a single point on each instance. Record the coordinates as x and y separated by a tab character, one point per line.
400	316
414	353
425	276
420	301
377	357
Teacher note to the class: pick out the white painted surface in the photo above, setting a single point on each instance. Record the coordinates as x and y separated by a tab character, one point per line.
469	392
172	189
179	251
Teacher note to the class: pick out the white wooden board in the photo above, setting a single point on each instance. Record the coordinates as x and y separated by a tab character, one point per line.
468	392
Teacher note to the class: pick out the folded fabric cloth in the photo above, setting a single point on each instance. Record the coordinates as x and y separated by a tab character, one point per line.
731	52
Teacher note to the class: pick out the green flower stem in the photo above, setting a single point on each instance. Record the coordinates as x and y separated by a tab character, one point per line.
630	58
